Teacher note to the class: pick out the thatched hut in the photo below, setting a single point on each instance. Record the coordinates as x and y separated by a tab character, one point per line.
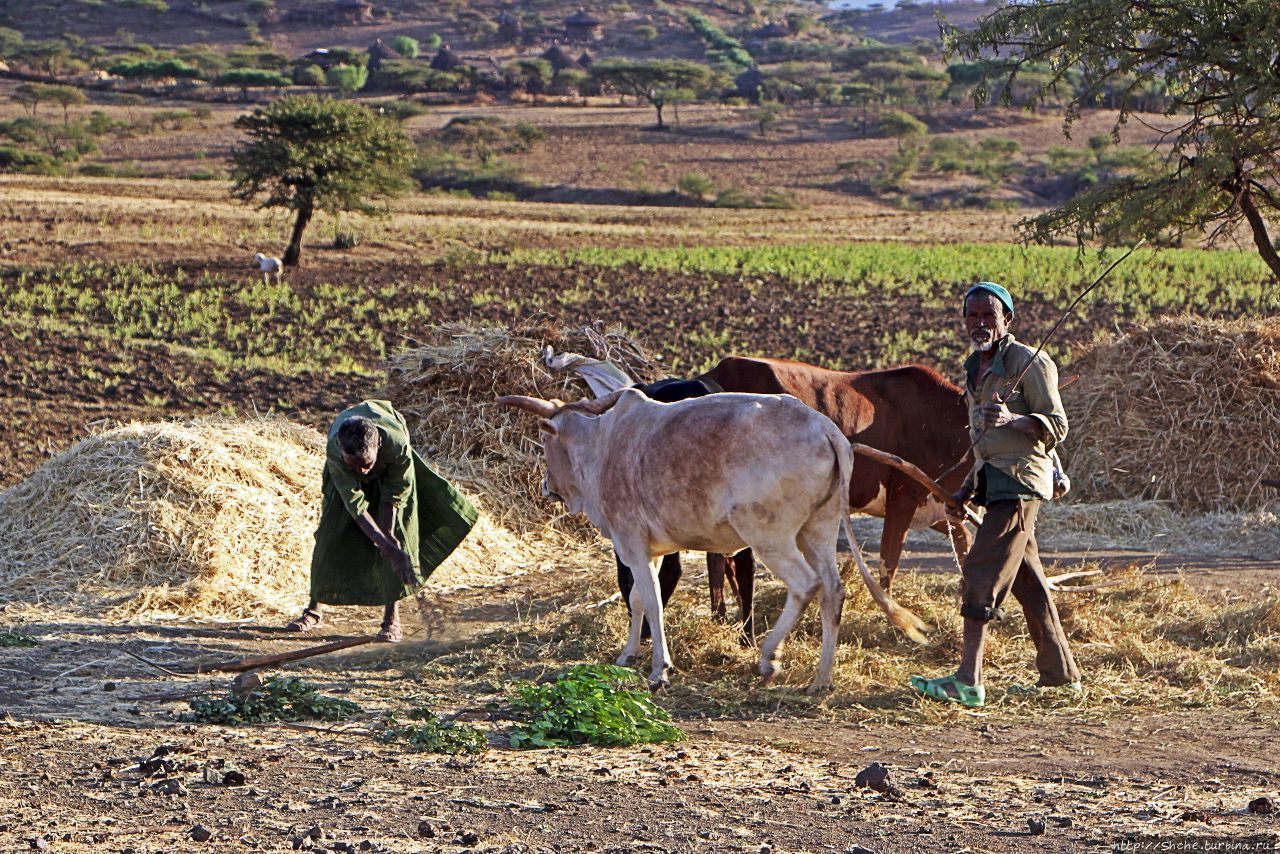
559	58
748	84
351	12
445	59
509	26
583	27
380	52
773	30
586	61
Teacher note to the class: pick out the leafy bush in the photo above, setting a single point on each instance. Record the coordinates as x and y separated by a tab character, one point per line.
590	704
348	78
309	74
433	735
406	46
401	110
345	240
695	184
280	698
16	639
154	69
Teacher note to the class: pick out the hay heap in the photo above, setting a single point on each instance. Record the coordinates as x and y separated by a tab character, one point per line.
1184	410
446	388
211	518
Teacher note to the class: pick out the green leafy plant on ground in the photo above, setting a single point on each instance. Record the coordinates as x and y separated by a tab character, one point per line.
590	704
280	698
433	735
12	639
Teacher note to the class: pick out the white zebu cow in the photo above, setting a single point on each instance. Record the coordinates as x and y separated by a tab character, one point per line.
712	474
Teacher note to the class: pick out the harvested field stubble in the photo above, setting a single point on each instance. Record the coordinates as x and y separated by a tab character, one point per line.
1184	409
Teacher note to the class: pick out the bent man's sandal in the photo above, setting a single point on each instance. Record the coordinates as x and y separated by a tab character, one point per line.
949	689
308	621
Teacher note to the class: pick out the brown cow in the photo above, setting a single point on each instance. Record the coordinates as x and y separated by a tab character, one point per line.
911	411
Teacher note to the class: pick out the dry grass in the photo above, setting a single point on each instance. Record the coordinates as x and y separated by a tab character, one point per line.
208	517
1185	410
1154	526
1150	643
447	387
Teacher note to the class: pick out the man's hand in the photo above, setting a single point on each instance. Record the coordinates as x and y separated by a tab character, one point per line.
996	414
957	501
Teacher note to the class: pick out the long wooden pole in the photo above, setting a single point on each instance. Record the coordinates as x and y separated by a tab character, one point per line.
254	662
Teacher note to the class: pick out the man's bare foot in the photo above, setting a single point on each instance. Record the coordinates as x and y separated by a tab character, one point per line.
309	620
390	633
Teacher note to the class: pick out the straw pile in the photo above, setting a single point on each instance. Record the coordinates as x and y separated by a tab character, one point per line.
211	518
446	388
1184	410
1153	526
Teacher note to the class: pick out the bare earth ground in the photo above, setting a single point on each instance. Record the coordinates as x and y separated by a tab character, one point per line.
80	713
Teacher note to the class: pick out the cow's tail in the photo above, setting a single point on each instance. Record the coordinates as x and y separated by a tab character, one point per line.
911	625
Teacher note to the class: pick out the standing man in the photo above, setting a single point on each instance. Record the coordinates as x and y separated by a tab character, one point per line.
1014	430
386	522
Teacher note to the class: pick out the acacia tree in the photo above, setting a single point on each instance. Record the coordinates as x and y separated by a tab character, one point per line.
1220	62
654	80
306	154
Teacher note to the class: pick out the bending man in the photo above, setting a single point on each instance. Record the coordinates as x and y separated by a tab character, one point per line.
1014	429
386	522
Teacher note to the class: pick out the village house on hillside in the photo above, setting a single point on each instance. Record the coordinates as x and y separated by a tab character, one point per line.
583	27
380	52
445	59
509	26
559	58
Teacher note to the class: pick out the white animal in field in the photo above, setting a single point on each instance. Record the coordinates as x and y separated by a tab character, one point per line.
267	266
712	474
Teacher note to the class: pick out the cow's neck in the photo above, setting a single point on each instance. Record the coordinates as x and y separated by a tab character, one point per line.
586	457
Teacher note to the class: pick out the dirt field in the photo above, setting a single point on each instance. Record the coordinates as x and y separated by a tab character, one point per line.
82	714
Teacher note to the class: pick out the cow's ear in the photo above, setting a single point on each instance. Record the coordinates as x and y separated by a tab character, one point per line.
547	427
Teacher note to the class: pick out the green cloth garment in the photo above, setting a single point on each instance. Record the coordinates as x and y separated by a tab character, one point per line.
431	517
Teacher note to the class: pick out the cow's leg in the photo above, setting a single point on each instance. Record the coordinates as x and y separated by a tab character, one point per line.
819	550
802	584
744	573
668	578
645	602
898	511
716	565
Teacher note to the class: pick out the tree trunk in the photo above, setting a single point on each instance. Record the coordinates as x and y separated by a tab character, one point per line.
1260	236
658	107
293	254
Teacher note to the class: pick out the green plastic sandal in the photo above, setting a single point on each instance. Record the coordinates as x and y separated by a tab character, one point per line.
949	689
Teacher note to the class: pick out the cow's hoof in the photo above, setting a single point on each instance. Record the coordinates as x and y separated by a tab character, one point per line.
816	690
624	660
657	685
767	675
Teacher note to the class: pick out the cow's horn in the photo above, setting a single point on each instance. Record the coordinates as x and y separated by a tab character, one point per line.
538	406
599	405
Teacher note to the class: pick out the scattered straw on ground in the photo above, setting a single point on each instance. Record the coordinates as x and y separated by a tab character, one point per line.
1154	526
446	388
1185	410
1152	641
